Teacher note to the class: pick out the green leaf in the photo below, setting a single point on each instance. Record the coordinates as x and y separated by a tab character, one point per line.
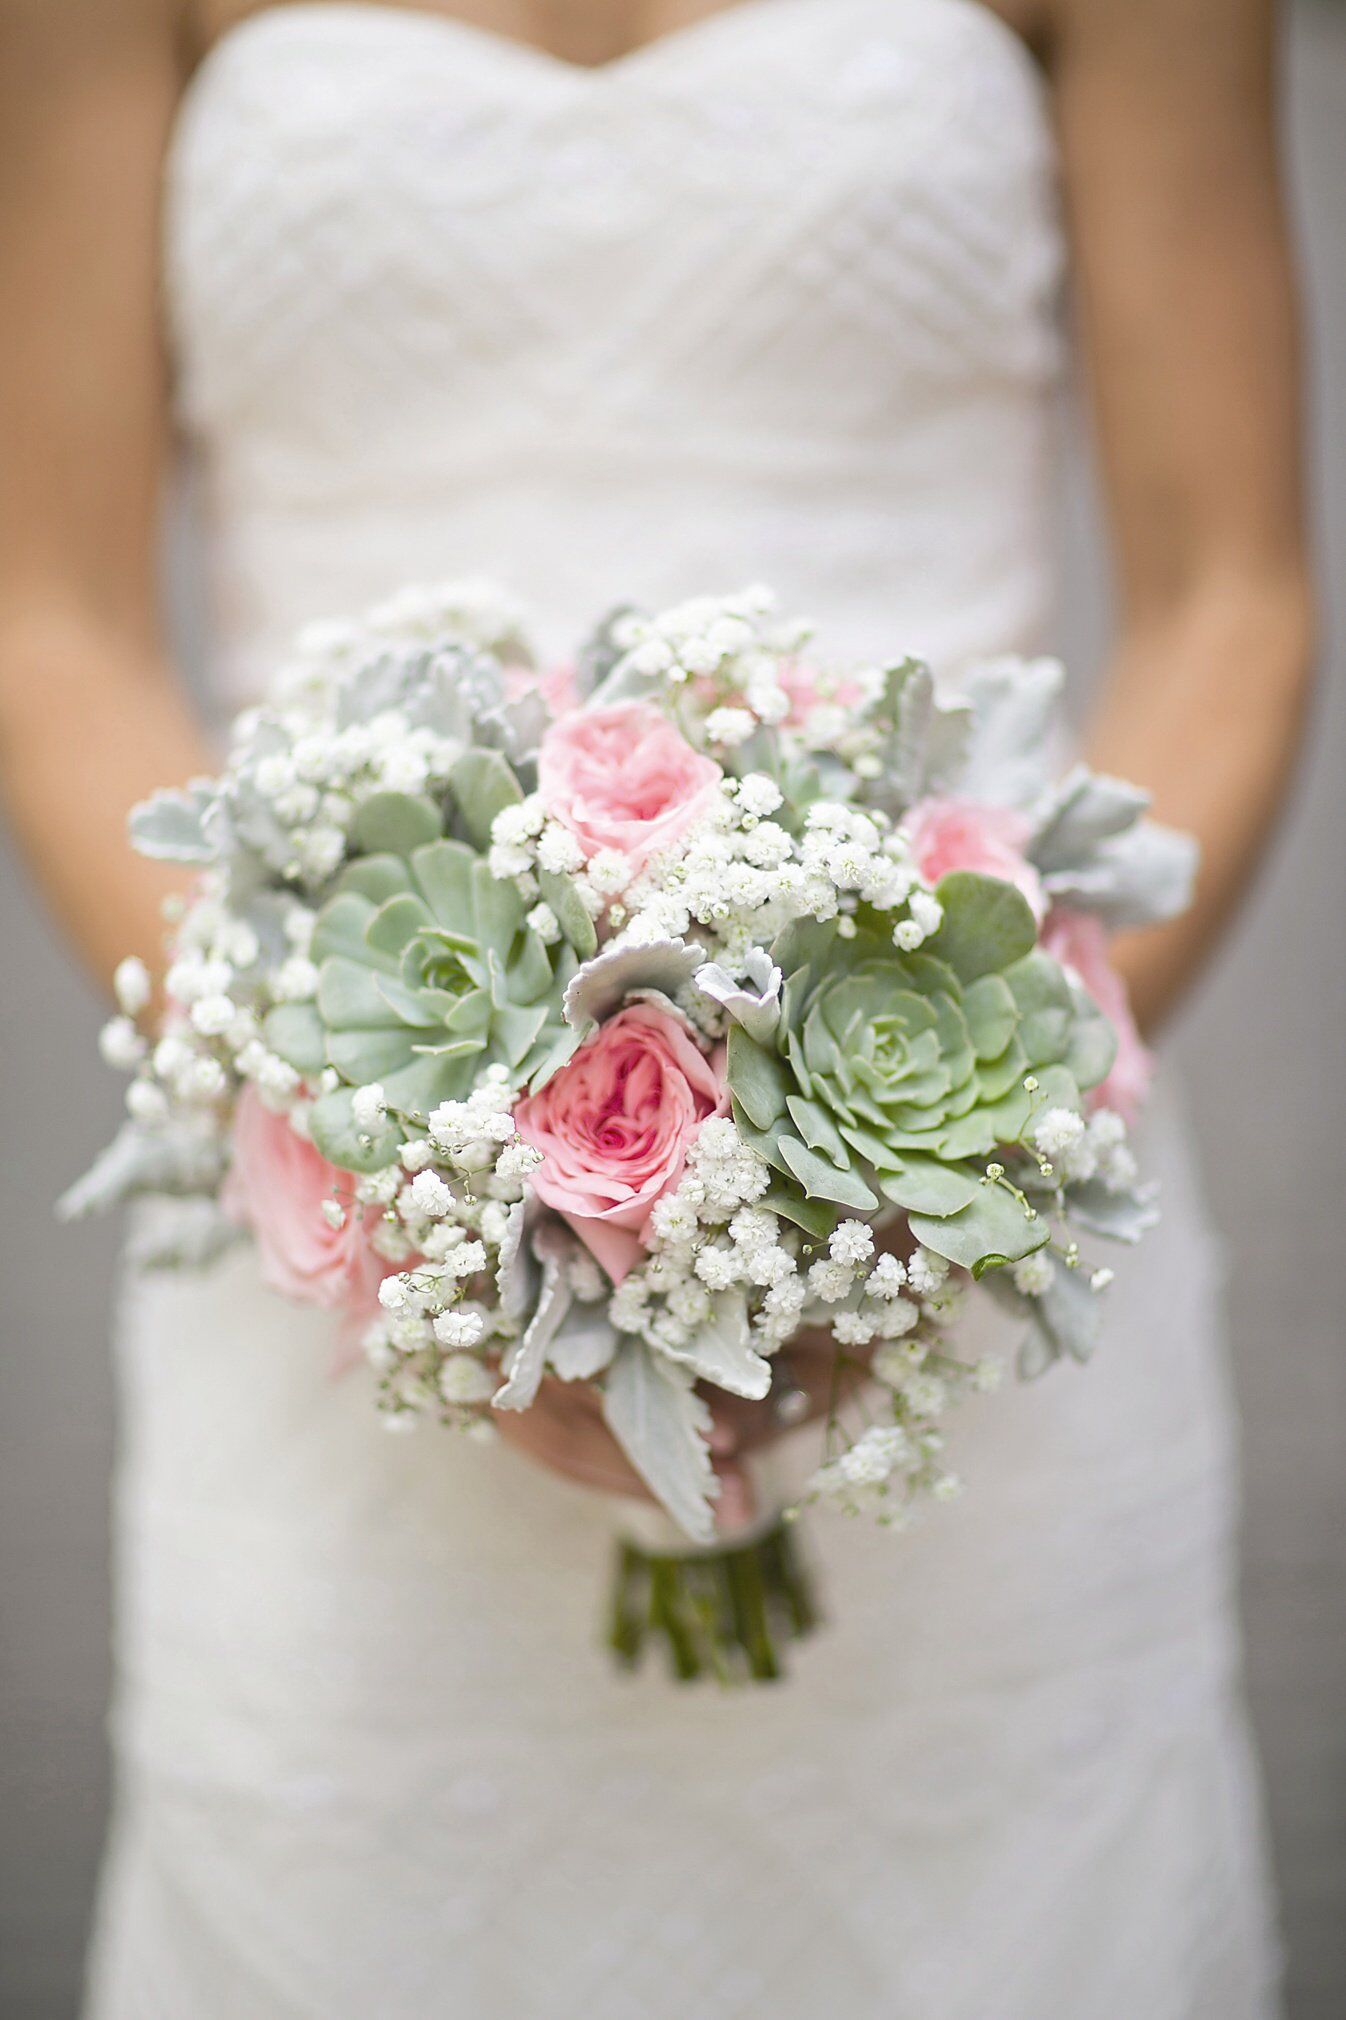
992	1229
987	924
1093	1044
294	1031
991	1013
817	1128
342	1142
483	786
817	1217
443	870
340	930
350	999
571	917
766	1142
395	923
821	1180
925	1185
395	824
756	1079
375	877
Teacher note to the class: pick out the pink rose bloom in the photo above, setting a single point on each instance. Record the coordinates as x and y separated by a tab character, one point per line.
1080	943
961	835
276	1185
556	684
800	682
615	1125
622	778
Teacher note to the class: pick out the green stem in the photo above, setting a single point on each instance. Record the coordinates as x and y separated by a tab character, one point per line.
726	1612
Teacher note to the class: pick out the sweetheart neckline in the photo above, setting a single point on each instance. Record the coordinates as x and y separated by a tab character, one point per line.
530	55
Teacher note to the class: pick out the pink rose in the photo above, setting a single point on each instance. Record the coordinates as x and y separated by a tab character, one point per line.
555	684
961	835
802	684
622	778
276	1185
1080	943
614	1127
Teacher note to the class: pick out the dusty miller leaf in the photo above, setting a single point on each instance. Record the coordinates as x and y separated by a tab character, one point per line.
721	1351
170	826
660	1423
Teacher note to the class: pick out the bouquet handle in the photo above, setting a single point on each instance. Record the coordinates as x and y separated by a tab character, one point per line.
725	1610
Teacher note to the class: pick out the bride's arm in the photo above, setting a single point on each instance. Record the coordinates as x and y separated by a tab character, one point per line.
90	715
1187	304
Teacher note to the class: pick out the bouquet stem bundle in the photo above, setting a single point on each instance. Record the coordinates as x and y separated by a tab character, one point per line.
726	1612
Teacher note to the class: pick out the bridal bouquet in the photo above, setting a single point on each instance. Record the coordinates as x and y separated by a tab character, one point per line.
614	1023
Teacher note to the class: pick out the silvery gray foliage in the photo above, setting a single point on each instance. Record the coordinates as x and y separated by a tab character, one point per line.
657	968
454	690
525	1362
183	1234
755	1002
997	743
1012	749
584	1343
1117	1213
1066	1319
927	743
170	826
720	1350
1138	878
140	1161
574	1338
599	655
661	1424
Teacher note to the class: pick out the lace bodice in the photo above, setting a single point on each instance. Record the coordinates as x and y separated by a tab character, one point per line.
444	303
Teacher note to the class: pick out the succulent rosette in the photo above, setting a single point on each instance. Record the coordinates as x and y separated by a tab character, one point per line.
428	972
895	1077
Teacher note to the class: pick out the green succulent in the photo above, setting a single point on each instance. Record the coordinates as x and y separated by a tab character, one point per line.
893	1076
428	972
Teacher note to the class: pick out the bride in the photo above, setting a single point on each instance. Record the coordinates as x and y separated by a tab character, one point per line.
665	297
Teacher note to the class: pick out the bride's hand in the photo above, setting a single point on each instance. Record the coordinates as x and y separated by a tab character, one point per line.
563	1430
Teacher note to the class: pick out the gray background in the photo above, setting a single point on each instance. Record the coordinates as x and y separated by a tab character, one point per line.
1269	1021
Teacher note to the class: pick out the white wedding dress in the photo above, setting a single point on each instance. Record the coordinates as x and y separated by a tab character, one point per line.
772	299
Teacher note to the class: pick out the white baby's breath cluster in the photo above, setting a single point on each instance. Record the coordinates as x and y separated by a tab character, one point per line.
733	881
452	1208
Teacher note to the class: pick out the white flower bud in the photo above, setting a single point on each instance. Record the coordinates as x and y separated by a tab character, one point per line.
147	1103
121	1044
430	1195
131	984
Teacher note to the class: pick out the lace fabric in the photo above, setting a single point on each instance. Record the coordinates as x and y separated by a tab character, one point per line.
774	299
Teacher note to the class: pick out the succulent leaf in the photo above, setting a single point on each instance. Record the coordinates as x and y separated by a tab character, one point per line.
483	786
571	917
343	1142
987	924
395	823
